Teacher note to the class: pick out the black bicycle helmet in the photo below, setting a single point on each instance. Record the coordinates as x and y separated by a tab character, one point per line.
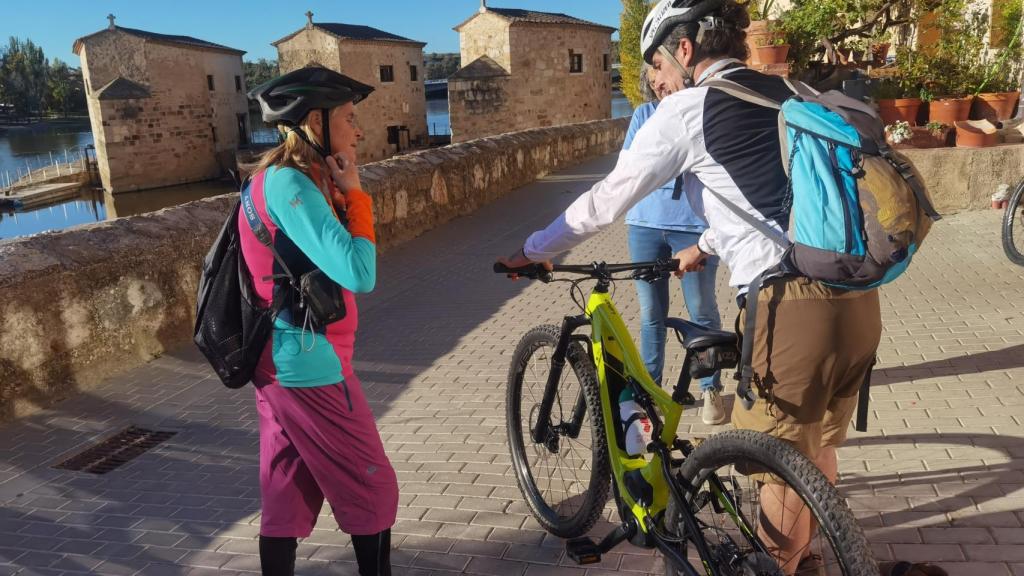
667	14
288	98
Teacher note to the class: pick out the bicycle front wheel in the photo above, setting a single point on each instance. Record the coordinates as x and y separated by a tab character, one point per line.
1013	226
564	479
734	484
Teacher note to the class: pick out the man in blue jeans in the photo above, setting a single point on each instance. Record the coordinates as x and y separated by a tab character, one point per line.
662	224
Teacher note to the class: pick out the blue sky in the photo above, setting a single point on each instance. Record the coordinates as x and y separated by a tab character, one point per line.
253	25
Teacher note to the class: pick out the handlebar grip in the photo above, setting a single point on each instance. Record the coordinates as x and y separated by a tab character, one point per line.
532	271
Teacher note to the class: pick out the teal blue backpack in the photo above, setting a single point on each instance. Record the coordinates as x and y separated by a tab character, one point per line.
858	209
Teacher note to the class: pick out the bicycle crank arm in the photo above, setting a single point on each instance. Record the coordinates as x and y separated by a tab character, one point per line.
583	550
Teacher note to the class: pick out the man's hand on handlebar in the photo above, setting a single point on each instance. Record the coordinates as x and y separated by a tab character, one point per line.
690	260
519	260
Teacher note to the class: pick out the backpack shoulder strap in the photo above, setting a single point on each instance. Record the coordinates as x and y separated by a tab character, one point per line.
741	92
259	229
737	90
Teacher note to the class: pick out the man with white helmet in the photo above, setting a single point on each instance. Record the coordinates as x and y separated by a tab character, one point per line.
813	344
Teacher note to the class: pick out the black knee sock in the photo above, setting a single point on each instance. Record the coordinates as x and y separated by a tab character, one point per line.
373	553
277	555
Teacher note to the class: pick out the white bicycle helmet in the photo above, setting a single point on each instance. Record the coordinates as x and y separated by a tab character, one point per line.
668	14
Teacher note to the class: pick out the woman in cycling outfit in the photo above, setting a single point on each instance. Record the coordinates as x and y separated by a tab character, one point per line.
318	438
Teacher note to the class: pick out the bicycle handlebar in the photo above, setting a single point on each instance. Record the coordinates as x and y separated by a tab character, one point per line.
596	270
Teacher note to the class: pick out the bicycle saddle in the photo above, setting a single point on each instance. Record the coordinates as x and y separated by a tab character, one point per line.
698	337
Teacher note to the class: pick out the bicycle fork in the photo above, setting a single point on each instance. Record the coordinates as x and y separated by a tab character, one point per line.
542	432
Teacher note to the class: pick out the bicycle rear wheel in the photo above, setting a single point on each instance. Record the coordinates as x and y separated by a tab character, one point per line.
741	540
1013	226
563	479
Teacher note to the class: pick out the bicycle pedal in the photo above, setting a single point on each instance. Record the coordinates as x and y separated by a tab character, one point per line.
583	551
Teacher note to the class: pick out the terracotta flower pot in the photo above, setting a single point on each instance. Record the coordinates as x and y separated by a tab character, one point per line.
949	111
772	54
994	106
758	32
879	52
976	134
925	138
905	109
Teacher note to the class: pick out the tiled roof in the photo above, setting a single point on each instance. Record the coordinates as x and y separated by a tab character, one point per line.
354	32
165	38
533	17
517	16
121	88
482	67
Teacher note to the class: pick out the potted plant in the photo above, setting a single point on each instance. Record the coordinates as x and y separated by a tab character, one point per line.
879	45
772	50
954	63
899	134
933	135
999	89
760	26
899	97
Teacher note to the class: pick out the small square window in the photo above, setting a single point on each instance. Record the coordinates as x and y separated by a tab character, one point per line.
607	63
575	63
238	83
387	73
414	74
209	81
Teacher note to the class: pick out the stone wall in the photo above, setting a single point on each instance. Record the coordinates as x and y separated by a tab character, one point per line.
486	34
84	304
548	93
542	90
175	135
399	103
480	106
965	178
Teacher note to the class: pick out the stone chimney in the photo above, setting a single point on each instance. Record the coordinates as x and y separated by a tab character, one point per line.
111	18
309	19
483	6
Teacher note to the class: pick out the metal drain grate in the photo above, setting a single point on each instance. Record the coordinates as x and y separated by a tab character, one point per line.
115	451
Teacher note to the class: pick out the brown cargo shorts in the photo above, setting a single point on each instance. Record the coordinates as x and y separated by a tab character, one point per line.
813	347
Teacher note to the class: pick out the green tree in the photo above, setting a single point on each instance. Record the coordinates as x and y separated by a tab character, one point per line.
811	26
633	14
23	75
439	66
59	87
259	72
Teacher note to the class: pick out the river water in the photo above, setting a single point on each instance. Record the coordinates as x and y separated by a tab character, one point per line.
22	147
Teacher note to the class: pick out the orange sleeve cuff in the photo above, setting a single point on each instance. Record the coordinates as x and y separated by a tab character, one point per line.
360	215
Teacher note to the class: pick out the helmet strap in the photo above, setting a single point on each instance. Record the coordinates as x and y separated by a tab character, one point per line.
687	73
325	123
302	136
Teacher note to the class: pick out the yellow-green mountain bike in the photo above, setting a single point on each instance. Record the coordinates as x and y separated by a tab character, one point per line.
701	505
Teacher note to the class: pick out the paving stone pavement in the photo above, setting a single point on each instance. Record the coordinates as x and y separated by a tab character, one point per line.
938	477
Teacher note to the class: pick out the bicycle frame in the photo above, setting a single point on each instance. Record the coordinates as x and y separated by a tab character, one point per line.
619	366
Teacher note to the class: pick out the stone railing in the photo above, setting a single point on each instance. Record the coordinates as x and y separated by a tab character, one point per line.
81	305
965	178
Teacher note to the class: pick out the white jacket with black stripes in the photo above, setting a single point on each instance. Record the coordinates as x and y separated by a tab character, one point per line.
730	145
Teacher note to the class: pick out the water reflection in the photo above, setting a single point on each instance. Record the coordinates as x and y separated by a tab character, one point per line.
97	206
134	203
22	147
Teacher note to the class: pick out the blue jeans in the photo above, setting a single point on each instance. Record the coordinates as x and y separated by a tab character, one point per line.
647	244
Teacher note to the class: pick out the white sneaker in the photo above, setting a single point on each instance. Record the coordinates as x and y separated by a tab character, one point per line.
714	408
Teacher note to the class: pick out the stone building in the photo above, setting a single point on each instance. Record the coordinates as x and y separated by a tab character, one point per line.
525	69
164	109
394	118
